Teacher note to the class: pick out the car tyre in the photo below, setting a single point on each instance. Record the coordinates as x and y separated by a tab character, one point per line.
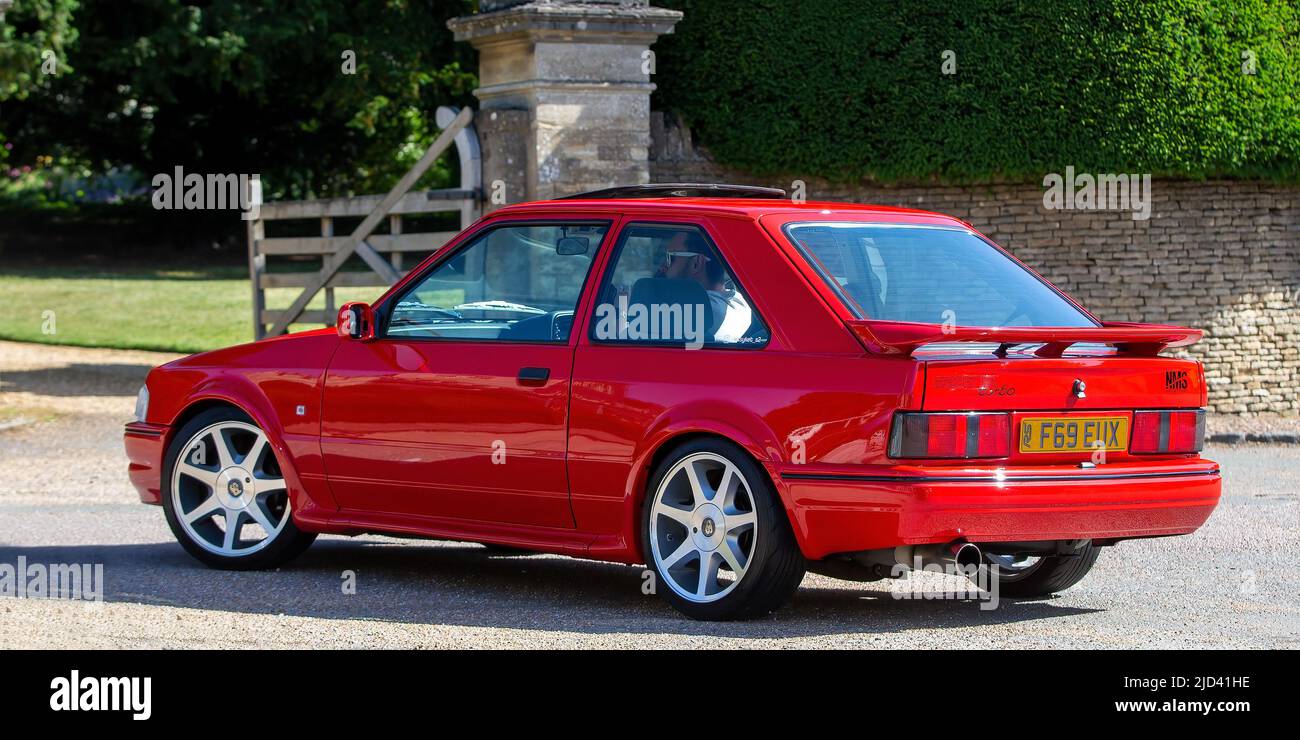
732	525
1048	575
224	448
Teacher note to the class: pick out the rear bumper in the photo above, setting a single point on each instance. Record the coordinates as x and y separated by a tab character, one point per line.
144	444
842	513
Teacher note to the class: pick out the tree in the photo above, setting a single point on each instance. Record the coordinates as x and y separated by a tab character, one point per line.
320	97
34	39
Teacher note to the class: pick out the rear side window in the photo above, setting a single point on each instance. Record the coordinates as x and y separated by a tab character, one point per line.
933	275
668	285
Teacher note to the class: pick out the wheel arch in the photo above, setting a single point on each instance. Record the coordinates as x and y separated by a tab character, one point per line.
195	408
206	398
250	401
761	450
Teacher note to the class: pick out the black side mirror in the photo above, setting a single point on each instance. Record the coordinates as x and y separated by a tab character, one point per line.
572	245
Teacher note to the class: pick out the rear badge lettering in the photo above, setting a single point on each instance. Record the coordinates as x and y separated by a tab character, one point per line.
1176	380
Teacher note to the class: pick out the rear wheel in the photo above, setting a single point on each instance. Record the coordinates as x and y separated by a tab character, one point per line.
1031	576
225	497
716	534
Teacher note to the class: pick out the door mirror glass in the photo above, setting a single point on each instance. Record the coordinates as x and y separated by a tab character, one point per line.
356	321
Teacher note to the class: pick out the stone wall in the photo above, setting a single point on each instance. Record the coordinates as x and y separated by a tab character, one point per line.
1222	256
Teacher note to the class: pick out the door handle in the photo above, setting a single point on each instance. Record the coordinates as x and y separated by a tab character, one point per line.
534	375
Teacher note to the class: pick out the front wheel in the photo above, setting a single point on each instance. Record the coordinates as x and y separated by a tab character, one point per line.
225	497
717	536
1029	577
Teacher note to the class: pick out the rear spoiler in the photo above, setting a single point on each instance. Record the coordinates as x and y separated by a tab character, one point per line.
904	337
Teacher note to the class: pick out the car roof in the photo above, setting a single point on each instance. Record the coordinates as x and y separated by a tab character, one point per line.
752	208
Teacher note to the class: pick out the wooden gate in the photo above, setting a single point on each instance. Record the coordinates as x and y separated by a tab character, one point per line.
382	253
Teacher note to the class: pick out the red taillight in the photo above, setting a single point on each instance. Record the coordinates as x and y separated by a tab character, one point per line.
995	435
948	435
945	436
1157	432
1146	432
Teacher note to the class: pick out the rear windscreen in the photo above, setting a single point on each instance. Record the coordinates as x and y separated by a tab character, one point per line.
934	275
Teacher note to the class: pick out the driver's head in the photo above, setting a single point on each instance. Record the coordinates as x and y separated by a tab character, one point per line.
687	257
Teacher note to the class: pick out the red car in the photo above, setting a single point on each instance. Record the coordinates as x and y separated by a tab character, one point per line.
723	384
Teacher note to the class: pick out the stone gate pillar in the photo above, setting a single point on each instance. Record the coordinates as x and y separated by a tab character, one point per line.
564	95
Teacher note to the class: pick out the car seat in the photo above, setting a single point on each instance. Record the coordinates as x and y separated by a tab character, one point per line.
670	292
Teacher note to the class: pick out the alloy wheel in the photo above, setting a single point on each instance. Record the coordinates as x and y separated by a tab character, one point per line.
228	490
703	527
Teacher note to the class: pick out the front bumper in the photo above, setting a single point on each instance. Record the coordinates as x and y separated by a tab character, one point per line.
144	444
849	513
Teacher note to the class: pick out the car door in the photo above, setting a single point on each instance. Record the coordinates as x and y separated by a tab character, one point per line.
458	408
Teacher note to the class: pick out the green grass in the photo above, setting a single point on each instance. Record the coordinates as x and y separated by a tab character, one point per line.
134	308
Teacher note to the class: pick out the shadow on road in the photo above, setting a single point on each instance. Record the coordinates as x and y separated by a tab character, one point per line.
466	585
77	379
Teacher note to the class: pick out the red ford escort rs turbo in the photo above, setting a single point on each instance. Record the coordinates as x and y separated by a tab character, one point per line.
715	381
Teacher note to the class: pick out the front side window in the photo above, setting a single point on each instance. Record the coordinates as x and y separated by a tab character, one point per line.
512	283
668	284
933	275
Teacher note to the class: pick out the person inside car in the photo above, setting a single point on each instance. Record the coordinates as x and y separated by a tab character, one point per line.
688	257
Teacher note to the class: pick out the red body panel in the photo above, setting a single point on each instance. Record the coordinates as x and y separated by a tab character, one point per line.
986	510
144	452
399	435
1032	384
411	428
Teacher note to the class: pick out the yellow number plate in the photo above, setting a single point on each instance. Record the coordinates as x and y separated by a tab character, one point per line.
1074	434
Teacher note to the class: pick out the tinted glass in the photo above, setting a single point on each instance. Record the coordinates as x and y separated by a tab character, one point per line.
669	285
931	275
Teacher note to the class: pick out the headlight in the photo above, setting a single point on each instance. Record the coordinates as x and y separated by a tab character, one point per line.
142	403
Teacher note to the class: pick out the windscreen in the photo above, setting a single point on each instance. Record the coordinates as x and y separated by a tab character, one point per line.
935	275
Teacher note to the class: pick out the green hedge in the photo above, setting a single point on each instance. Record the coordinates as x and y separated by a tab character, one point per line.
849	90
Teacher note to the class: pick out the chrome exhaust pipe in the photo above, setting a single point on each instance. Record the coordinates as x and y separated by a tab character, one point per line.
966	555
963	555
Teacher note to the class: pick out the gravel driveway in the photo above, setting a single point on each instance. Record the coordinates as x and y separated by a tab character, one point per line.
64	498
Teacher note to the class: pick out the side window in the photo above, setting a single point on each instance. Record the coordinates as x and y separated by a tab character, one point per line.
668	284
513	283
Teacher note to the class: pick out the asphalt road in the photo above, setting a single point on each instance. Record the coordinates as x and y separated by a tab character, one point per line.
64	498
